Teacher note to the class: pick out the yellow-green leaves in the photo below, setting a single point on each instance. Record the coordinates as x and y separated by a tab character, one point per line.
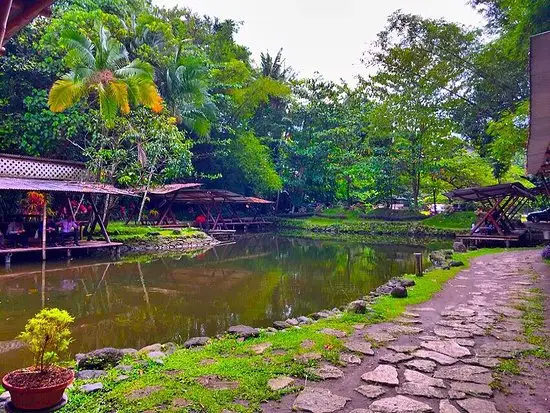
47	334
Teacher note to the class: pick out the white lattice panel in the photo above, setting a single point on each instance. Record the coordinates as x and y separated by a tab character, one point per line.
26	167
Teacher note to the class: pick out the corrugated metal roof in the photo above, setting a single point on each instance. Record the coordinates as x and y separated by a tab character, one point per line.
46	185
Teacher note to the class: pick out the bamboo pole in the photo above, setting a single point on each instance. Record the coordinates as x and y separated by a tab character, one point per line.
44	219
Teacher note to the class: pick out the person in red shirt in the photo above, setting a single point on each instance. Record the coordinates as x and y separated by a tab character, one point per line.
200	220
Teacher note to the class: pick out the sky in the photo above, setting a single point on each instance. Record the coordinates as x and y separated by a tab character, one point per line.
325	36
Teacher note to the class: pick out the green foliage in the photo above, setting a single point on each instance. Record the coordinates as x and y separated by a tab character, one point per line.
46	335
253	160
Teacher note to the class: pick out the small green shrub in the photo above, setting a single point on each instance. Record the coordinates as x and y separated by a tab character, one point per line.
46	335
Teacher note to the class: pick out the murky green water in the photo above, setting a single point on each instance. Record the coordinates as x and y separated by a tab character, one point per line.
259	279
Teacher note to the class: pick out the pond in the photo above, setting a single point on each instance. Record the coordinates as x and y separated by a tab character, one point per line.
147	299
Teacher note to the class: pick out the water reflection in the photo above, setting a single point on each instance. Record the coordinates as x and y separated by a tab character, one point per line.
255	281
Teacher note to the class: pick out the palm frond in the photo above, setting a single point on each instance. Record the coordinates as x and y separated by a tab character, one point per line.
119	92
64	94
80	46
136	68
108	106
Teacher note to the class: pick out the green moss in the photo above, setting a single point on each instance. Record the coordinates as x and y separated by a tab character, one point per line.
459	221
510	366
233	360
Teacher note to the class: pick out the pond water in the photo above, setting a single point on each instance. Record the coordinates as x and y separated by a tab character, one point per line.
255	281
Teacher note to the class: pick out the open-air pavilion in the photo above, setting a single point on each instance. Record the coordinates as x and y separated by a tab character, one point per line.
497	220
219	207
65	179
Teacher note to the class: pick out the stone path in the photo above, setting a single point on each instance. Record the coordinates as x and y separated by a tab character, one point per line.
439	356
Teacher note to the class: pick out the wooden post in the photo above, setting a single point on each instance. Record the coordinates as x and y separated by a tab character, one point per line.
418	259
44	219
100	221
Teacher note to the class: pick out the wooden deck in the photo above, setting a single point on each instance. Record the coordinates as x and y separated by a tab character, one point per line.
514	238
83	245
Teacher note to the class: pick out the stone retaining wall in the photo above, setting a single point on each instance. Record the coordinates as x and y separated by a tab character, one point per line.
169	243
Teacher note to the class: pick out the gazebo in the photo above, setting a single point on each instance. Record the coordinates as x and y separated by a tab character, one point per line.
22	173
218	206
501	203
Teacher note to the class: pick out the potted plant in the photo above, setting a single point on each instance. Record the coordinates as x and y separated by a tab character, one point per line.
42	385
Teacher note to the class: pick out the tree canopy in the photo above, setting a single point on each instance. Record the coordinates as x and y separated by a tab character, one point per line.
147	95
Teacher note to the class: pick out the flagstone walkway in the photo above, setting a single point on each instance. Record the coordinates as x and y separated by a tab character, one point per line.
441	355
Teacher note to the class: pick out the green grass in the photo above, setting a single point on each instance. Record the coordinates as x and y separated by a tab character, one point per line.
456	221
119	231
234	360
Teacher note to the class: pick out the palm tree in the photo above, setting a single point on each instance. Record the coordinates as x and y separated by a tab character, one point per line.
185	88
102	71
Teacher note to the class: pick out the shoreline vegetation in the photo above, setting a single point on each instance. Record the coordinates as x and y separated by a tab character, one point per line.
236	373
441	226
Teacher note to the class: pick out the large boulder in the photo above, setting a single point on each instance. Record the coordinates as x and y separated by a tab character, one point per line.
358	307
405	282
99	359
459	247
196	342
243	331
399	292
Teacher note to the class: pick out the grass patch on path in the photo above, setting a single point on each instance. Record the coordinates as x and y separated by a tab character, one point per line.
235	361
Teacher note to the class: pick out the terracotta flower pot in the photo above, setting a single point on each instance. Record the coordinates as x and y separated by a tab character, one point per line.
37	398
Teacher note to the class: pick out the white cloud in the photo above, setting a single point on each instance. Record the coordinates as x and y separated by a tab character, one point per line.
320	35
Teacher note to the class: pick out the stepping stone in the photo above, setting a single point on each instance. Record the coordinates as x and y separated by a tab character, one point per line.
359	326
477	405
213	382
450	333
260	348
383	374
307	344
445	406
472	329
474	374
403	348
319	400
361	411
419	378
409	314
327	371
503	349
90	374
143	392
122	377
349	358
490	362
399	404
180	403
450	323
403	320
415	389
465	342
472	389
449	348
508	312
456	395
394	358
280	383
425	366
91	387
435	356
371	391
399	329
333	332
380	337
359	346
307	357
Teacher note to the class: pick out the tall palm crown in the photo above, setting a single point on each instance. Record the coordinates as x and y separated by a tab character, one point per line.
101	70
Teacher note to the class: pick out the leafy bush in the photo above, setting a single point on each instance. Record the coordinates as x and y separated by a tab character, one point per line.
546	253
46	335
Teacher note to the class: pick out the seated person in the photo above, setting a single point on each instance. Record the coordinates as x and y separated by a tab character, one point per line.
69	229
16	233
1	240
51	232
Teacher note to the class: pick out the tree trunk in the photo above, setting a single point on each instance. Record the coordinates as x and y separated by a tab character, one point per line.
145	195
